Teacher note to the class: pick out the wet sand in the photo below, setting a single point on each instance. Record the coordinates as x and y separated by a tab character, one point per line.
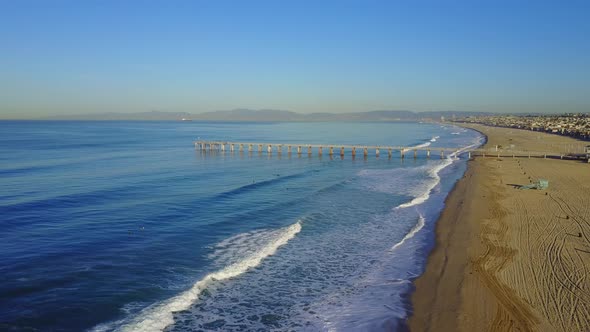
507	259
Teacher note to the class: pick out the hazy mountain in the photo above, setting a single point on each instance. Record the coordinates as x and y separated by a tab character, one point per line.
271	115
152	116
242	114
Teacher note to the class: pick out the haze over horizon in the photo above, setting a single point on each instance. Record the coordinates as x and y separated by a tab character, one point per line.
68	57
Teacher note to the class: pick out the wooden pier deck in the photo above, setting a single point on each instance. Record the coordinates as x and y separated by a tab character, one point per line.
375	150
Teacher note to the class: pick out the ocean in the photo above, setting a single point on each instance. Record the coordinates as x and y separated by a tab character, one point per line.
125	226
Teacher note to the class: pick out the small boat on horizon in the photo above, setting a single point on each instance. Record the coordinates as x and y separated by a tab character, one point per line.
185	119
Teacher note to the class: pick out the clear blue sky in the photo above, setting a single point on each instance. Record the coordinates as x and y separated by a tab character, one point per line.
60	57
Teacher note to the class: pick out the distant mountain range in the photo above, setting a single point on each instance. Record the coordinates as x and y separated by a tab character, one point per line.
271	116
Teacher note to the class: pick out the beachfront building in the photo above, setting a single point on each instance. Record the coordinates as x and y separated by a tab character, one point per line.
574	125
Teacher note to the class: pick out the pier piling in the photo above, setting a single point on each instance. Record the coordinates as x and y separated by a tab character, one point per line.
223	146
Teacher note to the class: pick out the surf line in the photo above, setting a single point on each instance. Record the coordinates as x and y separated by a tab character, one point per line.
419	146
158	316
436	178
417	227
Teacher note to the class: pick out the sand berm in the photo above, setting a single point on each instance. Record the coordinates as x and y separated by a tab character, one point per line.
507	259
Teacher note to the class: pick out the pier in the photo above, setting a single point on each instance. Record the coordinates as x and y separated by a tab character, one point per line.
373	150
323	149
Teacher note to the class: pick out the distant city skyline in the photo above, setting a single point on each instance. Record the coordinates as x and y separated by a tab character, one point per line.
68	57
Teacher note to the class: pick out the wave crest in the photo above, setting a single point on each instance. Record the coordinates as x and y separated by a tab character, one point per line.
158	316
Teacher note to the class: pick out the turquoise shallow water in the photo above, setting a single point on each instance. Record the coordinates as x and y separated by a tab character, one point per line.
125	226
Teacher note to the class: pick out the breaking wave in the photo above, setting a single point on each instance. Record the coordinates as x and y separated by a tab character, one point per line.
435	178
158	316
412	232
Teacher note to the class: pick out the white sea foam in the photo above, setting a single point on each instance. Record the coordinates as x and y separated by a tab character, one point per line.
242	246
412	232
409	182
419	199
421	145
435	180
435	138
160	315
374	301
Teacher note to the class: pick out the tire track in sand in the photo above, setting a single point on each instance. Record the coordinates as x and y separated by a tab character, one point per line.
512	313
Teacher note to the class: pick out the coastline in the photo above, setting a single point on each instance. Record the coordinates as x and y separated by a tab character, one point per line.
488	269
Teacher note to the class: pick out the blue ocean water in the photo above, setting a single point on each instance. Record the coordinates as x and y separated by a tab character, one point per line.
109	226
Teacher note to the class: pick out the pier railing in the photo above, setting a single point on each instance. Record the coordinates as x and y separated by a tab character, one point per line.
376	150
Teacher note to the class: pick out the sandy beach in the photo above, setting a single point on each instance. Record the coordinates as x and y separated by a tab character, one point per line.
509	259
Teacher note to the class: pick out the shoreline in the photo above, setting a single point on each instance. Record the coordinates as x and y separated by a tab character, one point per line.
478	274
426	309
